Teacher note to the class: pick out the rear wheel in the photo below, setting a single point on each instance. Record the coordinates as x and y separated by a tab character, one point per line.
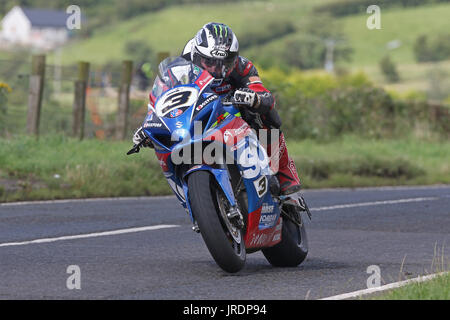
224	241
293	248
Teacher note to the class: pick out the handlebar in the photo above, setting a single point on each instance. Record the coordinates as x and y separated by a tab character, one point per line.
136	148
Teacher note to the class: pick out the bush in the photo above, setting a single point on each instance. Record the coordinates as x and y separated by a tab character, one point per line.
430	50
321	106
367	166
389	69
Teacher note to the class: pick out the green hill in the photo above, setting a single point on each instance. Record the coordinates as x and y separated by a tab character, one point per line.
170	29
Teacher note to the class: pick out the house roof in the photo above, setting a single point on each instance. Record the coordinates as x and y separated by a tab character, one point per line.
46	17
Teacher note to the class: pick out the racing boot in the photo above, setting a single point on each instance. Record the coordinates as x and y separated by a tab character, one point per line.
284	167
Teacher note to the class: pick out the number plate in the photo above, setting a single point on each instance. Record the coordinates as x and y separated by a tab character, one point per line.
178	98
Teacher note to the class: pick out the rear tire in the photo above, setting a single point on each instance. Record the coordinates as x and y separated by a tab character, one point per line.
228	252
293	248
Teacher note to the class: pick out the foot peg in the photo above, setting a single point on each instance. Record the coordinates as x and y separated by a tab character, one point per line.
297	204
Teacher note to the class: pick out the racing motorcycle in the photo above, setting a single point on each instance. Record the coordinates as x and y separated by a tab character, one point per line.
219	171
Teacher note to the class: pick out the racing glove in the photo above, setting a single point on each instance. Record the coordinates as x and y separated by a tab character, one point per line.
248	97
140	136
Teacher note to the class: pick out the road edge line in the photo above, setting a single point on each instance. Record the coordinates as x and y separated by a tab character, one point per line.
394	285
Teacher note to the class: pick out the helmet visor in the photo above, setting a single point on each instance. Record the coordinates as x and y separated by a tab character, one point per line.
218	68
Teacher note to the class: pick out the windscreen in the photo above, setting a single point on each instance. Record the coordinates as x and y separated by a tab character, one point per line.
174	72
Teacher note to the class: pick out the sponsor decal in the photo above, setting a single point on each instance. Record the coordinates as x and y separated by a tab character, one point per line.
224	88
153	125
206	102
268	219
220	119
266	208
219	54
227	135
179	124
259	239
239	145
241	129
204	79
176	113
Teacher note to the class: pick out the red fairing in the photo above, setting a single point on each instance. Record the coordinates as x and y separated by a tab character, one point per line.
162	158
152	100
255	238
231	133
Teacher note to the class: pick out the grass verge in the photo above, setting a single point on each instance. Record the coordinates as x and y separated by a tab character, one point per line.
437	288
57	167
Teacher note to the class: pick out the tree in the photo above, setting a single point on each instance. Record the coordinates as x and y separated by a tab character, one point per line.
389	69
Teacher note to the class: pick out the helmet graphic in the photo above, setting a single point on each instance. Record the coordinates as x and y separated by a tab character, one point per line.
215	49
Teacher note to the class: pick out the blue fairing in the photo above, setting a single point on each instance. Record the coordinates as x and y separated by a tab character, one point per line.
170	125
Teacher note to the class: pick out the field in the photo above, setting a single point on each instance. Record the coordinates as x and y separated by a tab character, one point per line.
169	29
56	167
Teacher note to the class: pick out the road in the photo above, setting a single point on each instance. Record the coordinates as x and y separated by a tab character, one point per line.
144	248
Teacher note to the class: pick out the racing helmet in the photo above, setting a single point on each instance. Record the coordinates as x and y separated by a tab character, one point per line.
215	49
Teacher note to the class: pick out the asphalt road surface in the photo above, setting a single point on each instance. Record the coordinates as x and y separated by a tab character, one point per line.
144	248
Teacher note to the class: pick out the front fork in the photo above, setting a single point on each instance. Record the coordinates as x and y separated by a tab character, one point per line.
223	180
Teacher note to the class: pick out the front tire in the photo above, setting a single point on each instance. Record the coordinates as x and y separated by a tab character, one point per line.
293	248
227	248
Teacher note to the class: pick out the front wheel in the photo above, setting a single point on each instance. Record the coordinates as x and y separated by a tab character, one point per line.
293	248
224	241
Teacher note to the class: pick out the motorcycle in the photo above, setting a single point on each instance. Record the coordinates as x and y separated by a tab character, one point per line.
219	171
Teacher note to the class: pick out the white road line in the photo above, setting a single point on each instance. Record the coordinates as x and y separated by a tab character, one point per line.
89	235
394	285
385	188
374	203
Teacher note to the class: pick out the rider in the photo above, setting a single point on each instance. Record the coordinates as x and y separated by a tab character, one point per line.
215	48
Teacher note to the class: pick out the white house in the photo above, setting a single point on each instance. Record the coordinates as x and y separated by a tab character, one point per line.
36	28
